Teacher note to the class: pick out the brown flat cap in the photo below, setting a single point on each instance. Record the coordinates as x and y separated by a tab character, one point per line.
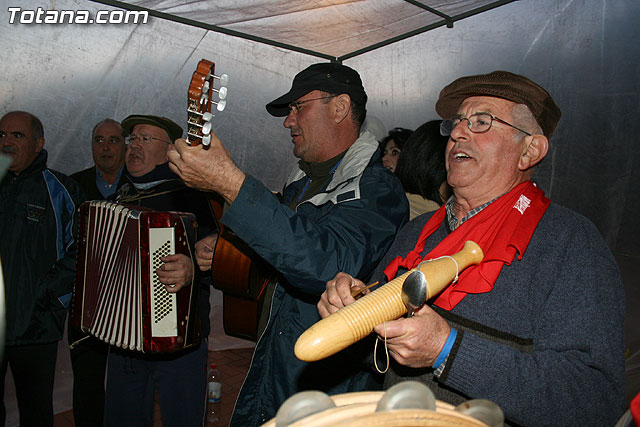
501	84
173	130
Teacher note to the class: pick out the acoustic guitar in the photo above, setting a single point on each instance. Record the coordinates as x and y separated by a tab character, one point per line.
237	270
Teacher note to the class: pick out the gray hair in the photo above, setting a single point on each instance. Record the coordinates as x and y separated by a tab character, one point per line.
524	119
106	121
358	110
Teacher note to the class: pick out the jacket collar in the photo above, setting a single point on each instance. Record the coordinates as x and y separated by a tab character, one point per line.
37	166
345	182
353	163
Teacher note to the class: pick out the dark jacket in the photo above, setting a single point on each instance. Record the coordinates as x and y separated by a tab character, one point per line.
87	180
38	251
347	227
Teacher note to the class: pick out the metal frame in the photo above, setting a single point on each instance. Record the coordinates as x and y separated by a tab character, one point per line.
446	21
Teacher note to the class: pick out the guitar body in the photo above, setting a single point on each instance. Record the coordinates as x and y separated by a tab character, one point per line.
243	277
241	317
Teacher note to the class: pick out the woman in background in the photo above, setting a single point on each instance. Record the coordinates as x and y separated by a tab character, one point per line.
392	146
421	169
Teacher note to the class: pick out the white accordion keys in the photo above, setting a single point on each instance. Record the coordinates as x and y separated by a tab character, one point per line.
164	318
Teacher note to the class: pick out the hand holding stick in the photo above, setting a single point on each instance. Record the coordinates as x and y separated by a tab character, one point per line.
354	322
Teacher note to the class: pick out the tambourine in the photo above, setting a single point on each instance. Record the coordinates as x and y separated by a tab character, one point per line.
408	403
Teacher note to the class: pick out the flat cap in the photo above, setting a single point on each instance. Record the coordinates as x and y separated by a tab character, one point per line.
328	77
173	130
501	84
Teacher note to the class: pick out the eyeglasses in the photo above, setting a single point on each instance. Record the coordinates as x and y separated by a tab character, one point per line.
142	139
110	141
477	123
294	106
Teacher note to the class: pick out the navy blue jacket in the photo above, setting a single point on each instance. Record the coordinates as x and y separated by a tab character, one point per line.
87	180
37	248
346	227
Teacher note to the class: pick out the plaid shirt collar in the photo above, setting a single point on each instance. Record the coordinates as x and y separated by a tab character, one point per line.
452	220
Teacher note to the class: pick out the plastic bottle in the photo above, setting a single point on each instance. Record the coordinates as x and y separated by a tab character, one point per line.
214	394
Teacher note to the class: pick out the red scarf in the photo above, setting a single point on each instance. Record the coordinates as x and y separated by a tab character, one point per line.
502	229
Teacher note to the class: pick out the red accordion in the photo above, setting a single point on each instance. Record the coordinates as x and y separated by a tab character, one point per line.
118	297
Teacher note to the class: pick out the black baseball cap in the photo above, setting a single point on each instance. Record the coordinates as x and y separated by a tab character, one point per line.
328	77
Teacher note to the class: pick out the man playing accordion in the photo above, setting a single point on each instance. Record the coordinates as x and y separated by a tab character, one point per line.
178	377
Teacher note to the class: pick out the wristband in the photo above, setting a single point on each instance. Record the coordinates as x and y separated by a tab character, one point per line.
446	349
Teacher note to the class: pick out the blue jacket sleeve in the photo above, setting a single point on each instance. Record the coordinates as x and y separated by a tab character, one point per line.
57	284
311	245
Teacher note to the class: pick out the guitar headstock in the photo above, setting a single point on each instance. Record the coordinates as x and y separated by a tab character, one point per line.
200	102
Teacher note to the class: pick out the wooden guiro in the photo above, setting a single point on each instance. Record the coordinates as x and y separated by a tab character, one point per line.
354	322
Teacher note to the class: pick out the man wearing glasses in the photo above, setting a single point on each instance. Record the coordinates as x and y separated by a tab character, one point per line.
340	211
180	377
537	327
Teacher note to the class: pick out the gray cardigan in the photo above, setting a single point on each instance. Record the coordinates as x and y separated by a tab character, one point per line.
546	343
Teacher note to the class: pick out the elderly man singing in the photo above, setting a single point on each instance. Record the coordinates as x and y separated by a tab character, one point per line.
537	327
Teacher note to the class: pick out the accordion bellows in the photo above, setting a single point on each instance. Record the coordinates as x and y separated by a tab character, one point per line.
118	297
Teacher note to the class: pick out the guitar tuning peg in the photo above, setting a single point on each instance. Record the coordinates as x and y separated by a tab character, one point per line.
220	105
200	102
224	79
222	92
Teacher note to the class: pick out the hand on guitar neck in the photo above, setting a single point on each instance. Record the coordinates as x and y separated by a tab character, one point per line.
201	160
207	170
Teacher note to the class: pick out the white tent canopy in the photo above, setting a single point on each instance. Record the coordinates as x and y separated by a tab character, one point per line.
582	51
335	30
